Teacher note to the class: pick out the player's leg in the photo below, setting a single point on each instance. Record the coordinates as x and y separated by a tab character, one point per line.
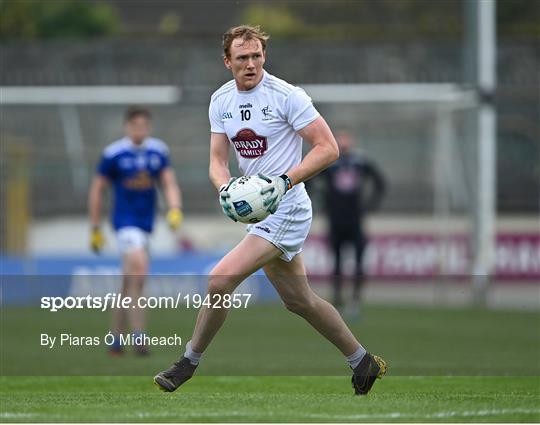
133	244
356	237
245	259
336	243
135	271
360	242
290	281
119	322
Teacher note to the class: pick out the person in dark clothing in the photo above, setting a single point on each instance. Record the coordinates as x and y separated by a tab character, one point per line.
354	187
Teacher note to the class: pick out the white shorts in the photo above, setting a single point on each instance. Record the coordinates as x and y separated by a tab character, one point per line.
131	238
289	226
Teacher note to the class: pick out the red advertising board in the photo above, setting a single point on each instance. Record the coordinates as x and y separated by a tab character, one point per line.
419	255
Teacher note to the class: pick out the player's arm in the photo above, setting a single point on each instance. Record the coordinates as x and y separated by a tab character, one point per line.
99	184
173	197
324	151
95	195
219	173
219	160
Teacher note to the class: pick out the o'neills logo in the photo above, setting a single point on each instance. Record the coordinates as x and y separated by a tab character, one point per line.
249	144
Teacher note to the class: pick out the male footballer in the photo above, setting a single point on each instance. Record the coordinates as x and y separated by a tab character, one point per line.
134	166
256	106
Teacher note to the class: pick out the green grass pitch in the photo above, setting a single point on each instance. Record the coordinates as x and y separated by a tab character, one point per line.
445	365
270	399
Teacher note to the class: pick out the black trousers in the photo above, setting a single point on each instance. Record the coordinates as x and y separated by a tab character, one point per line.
341	235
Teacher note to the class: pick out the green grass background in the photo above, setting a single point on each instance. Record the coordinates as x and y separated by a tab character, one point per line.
272	341
268	365
270	399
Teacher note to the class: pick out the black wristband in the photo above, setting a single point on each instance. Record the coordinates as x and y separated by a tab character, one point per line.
288	182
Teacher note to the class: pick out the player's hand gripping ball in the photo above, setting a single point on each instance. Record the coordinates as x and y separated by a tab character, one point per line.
274	190
241	199
225	199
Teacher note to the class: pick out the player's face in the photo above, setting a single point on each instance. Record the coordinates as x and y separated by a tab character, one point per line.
246	62
138	129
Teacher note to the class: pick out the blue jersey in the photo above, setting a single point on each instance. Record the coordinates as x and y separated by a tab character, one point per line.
133	172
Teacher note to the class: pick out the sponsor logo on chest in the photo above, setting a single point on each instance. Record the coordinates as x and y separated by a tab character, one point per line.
249	144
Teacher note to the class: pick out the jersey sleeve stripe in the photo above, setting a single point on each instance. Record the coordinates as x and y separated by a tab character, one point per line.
277	89
225	88
115	148
158	145
280	83
218	95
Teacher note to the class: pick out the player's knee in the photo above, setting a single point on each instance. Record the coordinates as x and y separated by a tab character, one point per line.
138	267
136	263
136	270
299	306
218	284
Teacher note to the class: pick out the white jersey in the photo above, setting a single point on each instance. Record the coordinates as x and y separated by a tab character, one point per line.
262	124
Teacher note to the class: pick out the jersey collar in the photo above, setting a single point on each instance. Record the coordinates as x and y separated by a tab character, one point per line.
135	147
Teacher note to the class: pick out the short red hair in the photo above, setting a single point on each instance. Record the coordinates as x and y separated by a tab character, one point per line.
246	33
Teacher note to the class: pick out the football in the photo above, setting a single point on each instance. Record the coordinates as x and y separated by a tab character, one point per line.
247	200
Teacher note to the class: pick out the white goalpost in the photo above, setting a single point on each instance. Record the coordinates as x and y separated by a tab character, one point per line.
441	102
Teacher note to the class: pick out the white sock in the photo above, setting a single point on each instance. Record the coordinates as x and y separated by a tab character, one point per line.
355	358
192	355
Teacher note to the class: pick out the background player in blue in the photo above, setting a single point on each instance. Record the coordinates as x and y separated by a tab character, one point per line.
133	166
